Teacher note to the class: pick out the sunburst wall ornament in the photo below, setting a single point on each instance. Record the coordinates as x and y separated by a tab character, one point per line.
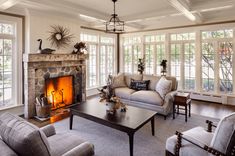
60	36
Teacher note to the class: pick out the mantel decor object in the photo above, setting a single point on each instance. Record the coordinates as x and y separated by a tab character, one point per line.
60	36
112	102
80	48
44	51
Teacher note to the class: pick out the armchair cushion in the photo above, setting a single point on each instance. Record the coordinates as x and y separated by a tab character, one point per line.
6	150
84	149
197	134
23	137
223	133
48	130
62	143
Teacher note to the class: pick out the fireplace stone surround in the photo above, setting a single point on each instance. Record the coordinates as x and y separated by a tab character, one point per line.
38	67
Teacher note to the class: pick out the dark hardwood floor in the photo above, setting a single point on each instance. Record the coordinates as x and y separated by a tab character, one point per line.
210	109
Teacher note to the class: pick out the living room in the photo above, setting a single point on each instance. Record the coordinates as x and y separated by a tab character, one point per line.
117	77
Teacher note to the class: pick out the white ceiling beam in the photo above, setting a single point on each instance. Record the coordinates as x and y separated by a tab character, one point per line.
63	7
184	8
6	4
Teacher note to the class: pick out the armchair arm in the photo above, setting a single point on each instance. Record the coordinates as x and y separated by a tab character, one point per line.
181	136
210	124
48	130
84	149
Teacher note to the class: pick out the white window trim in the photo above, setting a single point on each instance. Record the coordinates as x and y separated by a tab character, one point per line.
17	86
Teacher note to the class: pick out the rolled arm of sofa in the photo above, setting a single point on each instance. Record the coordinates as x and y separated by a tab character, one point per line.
168	102
48	130
84	149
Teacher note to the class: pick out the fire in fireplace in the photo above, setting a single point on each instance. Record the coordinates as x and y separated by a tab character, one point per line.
59	91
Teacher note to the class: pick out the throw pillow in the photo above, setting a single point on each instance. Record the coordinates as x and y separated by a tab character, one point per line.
163	87
118	81
139	85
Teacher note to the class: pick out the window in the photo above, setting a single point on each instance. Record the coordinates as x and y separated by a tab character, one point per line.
132	53
175	60
106	58
154	53
189	66
217	44
101	59
6	69
183	59
225	69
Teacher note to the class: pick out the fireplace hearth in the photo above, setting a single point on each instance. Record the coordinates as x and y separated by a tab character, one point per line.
43	69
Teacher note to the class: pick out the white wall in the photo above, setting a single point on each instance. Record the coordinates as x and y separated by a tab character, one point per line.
38	26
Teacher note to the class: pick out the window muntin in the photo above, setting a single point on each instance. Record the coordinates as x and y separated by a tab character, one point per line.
208	66
189	66
183	36
175	60
132	52
160	51
101	58
154	53
128	59
149	59
226	33
92	66
225	66
6	64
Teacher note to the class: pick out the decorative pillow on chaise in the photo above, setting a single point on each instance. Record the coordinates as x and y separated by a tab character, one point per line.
118	81
163	87
139	85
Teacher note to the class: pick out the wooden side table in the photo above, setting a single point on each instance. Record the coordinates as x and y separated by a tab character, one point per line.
183	102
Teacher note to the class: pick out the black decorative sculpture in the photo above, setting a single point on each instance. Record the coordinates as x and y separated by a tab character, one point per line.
44	51
164	65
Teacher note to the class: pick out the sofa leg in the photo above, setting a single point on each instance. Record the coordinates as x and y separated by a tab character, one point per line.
164	117
169	153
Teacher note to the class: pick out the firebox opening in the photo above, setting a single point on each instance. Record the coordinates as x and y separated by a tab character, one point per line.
59	91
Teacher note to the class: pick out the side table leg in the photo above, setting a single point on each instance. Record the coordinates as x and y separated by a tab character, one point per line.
173	111
186	113
190	109
153	126
131	141
71	122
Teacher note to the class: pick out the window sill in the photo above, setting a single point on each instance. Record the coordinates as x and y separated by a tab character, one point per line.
10	107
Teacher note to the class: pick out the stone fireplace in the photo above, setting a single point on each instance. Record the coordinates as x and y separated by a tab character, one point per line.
46	74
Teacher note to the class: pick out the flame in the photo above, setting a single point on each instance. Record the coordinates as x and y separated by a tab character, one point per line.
59	91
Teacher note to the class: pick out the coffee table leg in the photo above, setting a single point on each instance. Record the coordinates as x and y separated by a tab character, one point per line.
131	141
71	122
152	126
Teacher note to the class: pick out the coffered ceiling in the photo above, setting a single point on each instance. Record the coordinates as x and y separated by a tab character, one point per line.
137	14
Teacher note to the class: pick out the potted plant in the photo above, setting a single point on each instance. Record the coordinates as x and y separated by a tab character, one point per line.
112	102
141	65
164	66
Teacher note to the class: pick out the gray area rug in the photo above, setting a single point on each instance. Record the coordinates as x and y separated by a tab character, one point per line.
111	142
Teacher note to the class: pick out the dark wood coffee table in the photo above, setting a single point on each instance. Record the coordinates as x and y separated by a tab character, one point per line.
130	121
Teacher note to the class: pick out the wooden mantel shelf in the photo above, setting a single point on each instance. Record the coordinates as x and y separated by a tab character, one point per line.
36	57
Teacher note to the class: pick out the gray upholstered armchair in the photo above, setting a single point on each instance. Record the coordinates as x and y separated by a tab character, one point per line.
201	142
19	137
